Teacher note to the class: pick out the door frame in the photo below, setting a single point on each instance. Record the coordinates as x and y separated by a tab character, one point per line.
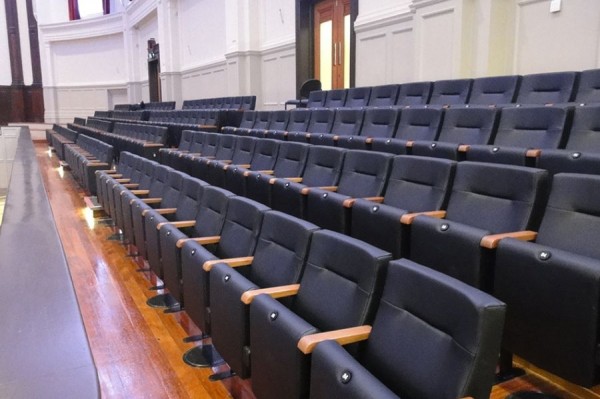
305	57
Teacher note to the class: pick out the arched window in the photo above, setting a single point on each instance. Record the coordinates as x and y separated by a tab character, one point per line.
79	9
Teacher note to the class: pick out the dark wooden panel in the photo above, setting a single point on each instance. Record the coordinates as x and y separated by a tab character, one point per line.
4	105
34	103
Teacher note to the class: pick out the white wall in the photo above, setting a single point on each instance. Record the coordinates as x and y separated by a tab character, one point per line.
212	48
5	72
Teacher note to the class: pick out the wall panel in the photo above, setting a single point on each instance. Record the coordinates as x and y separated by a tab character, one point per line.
566	40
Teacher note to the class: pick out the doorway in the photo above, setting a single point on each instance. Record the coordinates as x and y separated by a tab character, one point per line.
154	71
308	22
332	27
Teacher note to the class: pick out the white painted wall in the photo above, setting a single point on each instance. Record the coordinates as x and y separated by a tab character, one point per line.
237	47
5	73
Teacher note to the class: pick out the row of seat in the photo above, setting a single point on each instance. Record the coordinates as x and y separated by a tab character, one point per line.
85	157
144	140
556	138
58	136
154	105
543	283
324	267
324	185
236	103
541	88
174	121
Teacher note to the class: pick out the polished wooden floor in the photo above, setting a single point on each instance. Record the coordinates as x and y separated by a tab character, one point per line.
137	349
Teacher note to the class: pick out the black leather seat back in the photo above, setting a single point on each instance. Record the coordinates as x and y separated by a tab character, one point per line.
380	122
323	166
497	198
454	91
495	90
364	173
547	88
384	96
342	281
416	93
419	124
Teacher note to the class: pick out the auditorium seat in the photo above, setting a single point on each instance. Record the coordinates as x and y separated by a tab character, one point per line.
486	199
261	123
210	145
323	168
238	239
415	348
263	158
247	122
416	184
378	123
340	288
462	126
384	96
167	198
297	122
494	90
279	259
547	88
128	168
316	99
364	174
335	98
414	124
588	89
522	133
416	93
186	208
150	195
195	148
198	165
165	154
207	222
346	123
321	121
551	287
450	92
213	170
582	151
357	97
290	162
141	180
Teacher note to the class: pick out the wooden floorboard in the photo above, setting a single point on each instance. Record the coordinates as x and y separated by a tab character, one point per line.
137	349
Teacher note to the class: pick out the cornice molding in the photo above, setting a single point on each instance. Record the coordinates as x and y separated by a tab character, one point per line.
82	29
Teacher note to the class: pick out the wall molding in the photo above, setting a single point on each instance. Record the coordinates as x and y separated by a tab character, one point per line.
383	19
83	29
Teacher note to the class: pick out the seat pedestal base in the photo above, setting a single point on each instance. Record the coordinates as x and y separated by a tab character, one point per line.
203	356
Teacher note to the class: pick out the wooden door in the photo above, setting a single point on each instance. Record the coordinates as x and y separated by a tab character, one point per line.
332	26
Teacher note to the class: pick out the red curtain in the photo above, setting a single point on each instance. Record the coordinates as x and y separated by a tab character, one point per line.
73	10
106	6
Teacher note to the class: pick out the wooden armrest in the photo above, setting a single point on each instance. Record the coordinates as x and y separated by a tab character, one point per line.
152	200
463	148
153	145
131	185
122	180
344	336
138	192
349	203
200	240
306	190
264	172
369	140
97	164
244	165
274	292
179	224
161	211
408	218
294	179
534	153
409	144
111	172
491	241
232	262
